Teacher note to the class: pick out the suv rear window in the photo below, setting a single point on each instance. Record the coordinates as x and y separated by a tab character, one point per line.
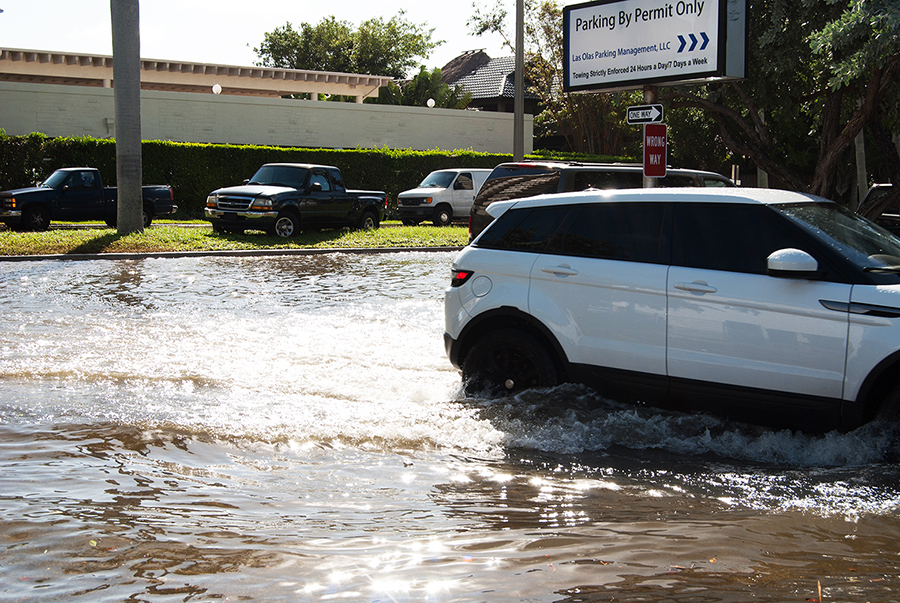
525	229
632	232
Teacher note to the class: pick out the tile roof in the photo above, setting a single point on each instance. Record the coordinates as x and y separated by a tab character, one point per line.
492	79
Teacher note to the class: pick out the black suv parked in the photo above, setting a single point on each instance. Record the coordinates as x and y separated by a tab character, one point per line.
519	180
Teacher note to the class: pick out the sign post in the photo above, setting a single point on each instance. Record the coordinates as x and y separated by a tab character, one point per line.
655	147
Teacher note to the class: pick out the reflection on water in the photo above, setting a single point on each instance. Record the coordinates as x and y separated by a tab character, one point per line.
288	429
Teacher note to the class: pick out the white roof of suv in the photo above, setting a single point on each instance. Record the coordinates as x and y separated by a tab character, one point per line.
763	196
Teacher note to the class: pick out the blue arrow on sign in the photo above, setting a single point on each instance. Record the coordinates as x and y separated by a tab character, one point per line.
694	41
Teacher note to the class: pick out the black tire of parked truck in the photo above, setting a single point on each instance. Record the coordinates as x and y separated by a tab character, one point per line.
147	218
507	361
368	220
35	218
287	224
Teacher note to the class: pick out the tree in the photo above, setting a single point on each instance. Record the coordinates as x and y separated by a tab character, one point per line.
378	47
424	86
590	123
819	72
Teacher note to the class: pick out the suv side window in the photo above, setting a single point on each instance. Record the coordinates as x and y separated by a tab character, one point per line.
732	237
525	229
676	180
618	231
605	180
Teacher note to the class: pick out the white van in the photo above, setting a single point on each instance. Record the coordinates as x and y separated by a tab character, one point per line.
444	195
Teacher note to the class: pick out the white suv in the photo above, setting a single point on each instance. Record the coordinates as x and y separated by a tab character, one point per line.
763	306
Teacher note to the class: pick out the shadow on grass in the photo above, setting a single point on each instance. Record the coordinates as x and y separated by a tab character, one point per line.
305	238
96	245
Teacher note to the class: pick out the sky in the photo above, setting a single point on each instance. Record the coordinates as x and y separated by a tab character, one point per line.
225	31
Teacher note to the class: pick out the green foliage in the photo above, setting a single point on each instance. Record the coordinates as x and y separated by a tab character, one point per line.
194	170
378	47
425	85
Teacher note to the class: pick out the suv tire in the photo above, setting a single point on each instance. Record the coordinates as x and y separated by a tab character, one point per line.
506	361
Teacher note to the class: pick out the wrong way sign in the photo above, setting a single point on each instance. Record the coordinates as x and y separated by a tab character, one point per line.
655	146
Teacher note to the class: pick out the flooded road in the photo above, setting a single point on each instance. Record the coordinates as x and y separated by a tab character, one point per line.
288	429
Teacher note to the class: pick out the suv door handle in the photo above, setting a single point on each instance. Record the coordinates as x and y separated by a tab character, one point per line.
696	287
559	270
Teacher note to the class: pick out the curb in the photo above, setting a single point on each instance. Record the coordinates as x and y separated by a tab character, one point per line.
217	253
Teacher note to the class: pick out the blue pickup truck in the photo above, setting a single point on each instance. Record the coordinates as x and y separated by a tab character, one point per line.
75	194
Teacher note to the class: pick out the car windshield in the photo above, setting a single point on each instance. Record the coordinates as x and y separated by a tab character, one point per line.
55	179
862	242
437	180
280	175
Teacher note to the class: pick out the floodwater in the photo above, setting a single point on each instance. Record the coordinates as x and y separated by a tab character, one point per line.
288	429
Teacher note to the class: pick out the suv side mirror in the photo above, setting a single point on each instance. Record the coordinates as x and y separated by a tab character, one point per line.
793	263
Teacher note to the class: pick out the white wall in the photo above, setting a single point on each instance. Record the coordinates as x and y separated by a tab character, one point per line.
184	117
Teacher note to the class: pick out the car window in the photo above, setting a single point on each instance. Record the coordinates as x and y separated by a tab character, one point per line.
320	178
524	229
732	237
337	179
619	231
463	183
865	244
679	180
715	182
605	180
280	175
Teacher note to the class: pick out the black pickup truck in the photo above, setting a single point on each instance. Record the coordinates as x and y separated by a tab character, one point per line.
75	194
283	198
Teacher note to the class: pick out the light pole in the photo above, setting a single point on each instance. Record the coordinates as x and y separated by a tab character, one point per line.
126	38
519	99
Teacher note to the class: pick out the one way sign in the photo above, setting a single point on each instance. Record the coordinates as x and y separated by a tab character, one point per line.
645	114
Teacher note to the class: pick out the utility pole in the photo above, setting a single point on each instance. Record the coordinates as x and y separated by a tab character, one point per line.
126	42
519	99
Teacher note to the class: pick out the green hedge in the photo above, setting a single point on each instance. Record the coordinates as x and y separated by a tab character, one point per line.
193	170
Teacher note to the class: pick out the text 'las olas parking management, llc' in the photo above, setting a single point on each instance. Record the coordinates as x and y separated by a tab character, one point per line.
612	44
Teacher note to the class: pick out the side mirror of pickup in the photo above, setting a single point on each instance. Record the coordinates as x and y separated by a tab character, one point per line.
315	187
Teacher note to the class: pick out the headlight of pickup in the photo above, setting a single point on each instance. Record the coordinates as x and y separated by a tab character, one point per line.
212	202
261	203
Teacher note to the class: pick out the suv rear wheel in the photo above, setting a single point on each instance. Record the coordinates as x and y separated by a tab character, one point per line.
507	361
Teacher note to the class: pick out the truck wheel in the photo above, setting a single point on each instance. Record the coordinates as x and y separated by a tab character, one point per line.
286	225
506	361
148	217
368	220
36	218
443	215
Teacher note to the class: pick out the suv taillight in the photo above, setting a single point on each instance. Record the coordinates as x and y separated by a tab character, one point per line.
460	277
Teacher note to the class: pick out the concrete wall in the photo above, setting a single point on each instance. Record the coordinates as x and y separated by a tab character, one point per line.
184	117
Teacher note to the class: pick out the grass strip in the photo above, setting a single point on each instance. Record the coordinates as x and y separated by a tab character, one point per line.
175	238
